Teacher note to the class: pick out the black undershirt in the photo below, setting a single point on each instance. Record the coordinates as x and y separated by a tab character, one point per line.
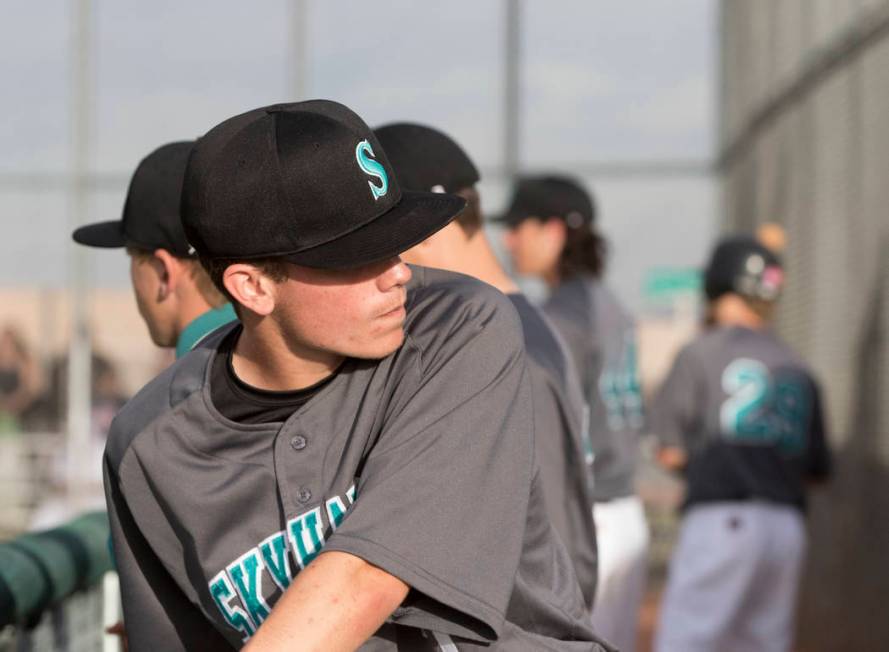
243	403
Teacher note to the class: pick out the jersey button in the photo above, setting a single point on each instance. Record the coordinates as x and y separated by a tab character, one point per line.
298	443
303	495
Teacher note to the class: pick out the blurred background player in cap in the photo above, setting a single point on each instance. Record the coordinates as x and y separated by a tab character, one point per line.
551	235
426	159
740	414
175	296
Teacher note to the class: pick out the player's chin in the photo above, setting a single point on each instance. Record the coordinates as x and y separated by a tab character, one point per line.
381	344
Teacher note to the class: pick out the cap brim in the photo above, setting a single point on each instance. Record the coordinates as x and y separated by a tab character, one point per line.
509	219
417	216
101	234
504	220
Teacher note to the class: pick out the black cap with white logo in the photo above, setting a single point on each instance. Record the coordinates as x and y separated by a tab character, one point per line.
742	265
151	213
426	159
549	196
307	182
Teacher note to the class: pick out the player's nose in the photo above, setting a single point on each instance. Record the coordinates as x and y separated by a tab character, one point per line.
396	273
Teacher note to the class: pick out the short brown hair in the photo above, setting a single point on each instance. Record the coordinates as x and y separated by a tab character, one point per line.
470	220
205	285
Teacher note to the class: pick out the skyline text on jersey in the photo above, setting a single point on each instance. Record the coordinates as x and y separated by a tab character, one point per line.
241	580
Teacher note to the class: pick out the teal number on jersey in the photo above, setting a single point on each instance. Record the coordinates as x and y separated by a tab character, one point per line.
793	407
364	155
759	409
747	383
621	391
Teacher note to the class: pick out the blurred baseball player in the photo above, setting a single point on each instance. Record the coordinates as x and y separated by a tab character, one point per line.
741	415
552	235
351	465
426	159
175	297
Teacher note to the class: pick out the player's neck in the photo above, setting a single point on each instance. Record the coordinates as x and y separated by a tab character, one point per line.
551	277
191	306
730	310
266	359
477	259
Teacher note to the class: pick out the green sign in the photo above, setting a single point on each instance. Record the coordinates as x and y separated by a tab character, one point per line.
665	283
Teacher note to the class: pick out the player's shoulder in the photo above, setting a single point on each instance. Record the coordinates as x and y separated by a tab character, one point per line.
731	342
783	358
156	400
782	347
451	297
543	344
607	305
539	333
706	339
700	348
570	301
446	310
715	343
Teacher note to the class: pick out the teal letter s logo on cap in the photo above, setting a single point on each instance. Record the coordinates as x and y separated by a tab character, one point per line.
371	167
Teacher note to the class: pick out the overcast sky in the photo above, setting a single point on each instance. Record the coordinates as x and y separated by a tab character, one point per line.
602	80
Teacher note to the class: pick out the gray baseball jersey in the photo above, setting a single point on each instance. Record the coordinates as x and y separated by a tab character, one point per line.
559	431
602	339
421	463
748	412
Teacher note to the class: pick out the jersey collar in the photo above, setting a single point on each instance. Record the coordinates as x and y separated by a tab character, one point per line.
202	326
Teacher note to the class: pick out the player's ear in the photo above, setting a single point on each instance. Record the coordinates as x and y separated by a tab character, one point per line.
250	287
169	270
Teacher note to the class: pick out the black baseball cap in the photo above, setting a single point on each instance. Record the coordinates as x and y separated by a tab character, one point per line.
424	158
549	196
307	182
742	265
151	212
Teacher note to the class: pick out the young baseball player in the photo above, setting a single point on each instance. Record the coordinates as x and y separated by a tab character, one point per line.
175	297
551	234
740	414
351	465
426	159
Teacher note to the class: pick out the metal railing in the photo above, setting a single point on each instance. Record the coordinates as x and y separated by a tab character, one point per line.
57	589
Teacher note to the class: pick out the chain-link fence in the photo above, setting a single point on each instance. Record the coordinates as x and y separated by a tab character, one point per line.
805	142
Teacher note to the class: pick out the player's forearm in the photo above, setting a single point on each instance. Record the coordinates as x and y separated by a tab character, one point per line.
335	604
